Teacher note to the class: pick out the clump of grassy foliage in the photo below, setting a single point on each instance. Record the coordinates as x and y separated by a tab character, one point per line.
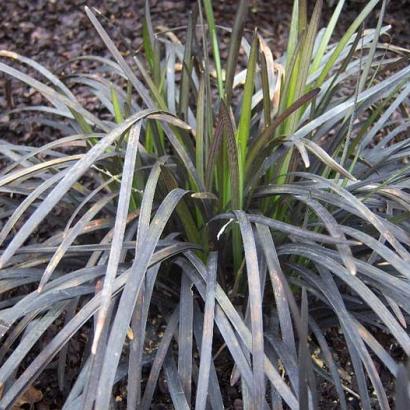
254	205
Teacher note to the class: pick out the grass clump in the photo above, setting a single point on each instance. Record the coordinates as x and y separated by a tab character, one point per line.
267	199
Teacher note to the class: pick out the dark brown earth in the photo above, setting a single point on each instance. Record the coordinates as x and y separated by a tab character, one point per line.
54	31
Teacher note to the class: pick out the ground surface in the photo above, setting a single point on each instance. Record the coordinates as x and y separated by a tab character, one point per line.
53	31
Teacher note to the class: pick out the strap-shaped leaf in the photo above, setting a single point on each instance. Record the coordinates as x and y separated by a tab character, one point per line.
207	335
234	46
145	250
255	300
76	171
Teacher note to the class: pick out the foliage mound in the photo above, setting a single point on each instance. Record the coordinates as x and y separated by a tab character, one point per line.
255	207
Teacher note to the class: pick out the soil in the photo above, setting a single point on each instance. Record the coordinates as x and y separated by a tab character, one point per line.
52	32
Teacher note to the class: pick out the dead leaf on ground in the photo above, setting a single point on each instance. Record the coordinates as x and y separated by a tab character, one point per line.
30	396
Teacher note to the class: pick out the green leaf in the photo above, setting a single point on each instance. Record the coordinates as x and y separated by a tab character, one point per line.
119	118
324	42
214	43
344	40
246	111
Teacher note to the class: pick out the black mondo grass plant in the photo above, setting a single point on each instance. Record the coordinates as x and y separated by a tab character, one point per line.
258	207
